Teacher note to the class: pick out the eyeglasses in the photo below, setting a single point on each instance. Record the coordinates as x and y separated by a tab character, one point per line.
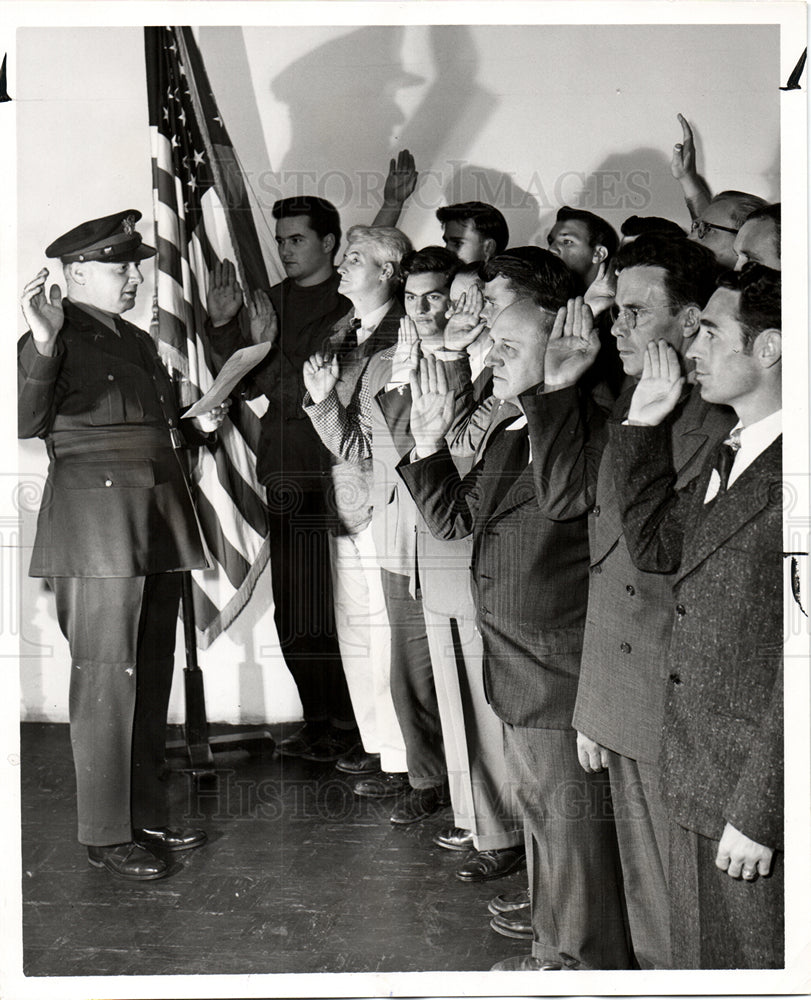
630	315
634	315
700	228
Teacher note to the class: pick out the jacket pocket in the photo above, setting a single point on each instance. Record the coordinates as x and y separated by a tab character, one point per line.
115	401
137	474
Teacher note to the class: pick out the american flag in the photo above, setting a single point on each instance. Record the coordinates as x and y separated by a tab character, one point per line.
202	214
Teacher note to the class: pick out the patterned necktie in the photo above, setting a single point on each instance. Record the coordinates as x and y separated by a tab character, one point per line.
726	457
350	341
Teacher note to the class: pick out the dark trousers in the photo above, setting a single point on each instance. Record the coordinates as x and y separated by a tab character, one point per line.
718	922
302	593
643	835
412	684
578	915
121	633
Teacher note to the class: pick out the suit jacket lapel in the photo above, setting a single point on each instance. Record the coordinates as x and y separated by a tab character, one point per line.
757	488
498	460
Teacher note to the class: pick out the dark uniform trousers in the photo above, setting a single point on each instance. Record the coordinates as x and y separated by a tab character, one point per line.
121	633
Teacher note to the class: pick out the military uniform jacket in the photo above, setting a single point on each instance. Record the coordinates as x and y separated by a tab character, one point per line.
116	502
620	698
722	750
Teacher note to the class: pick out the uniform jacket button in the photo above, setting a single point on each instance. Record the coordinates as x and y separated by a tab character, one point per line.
108	482
681	611
675	679
630	590
625	647
111	378
596	510
596	569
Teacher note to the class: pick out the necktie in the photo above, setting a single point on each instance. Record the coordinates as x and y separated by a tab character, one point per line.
350	341
725	458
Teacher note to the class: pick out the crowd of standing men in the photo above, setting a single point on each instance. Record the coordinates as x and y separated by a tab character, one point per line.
526	549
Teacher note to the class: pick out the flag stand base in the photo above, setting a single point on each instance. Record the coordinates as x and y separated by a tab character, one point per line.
197	747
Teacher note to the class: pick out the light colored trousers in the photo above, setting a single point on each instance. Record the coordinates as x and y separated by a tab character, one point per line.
365	641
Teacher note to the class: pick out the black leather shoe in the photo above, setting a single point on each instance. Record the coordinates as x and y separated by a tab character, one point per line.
383	785
417	804
485	865
515	924
128	861
164	839
357	761
332	745
454	838
508	901
301	742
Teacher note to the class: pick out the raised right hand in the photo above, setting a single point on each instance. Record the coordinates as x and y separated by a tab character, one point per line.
659	388
44	315
321	375
572	346
224	299
464	323
431	406
683	161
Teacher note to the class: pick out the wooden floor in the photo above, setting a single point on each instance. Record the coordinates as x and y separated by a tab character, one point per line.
299	875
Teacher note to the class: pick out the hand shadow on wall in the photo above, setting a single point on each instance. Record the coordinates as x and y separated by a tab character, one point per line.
638	182
346	120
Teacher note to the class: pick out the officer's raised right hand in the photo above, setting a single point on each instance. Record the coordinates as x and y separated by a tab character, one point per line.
44	315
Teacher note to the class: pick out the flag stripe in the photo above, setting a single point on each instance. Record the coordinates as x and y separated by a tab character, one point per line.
195	225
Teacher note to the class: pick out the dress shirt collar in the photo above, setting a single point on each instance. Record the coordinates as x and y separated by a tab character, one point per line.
370	322
755	439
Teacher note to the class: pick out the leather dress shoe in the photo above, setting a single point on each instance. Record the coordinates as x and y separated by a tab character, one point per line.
383	785
163	839
515	924
302	741
525	963
417	804
485	865
128	861
454	838
507	901
357	761
330	746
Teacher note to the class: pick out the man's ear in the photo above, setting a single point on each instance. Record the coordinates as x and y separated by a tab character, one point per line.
328	242
489	247
768	347
600	254
75	272
691	320
387	271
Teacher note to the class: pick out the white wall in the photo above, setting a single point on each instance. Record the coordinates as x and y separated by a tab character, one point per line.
528	117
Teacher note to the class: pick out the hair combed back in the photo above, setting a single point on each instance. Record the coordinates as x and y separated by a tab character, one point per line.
323	215
387	244
539	275
760	303
690	268
485	219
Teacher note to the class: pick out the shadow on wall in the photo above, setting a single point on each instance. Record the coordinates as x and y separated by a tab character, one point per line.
624	184
346	120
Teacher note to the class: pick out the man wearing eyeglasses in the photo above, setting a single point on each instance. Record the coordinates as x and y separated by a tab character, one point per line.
719	223
663	283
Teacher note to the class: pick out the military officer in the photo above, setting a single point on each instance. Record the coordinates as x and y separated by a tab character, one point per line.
115	527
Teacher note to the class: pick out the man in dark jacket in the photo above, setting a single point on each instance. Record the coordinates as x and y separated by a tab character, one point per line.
530	576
